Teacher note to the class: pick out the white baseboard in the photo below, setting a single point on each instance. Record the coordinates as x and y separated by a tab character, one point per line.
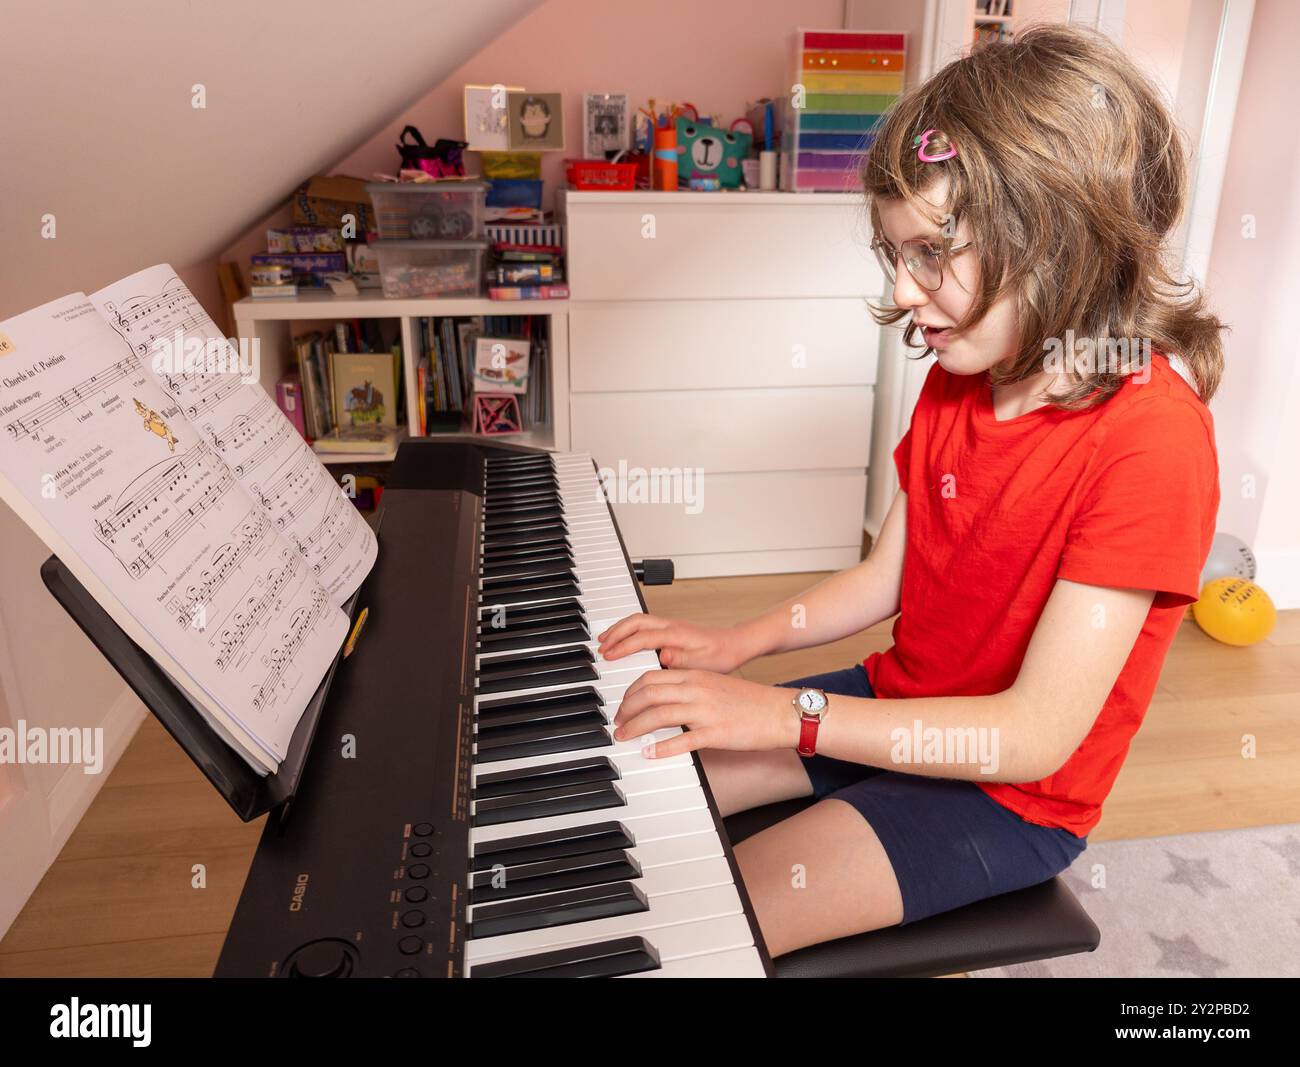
1278	574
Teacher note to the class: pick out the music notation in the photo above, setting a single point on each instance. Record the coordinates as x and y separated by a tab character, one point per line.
218	387
330	537
225	562
176	497
280	658
252	438
141	320
256	609
33	422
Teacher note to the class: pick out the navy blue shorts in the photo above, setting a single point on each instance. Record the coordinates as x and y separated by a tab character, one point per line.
948	841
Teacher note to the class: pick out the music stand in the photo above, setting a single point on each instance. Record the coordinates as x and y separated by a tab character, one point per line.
248	793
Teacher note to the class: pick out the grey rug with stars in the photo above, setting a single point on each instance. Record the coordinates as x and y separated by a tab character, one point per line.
1213	905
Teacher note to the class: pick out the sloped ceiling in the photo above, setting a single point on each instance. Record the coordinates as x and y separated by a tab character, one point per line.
98	127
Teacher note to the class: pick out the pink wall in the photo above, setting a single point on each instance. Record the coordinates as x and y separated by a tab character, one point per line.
716	55
1254	284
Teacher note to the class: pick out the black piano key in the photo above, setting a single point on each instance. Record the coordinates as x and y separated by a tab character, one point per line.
527	572
545	776
504	521
604	959
559	715
584	696
521	459
495	466
541	659
551	844
539	502
519	480
557	909
563	704
550	876
521	544
527	564
543	803
533	669
523	535
492	620
572	734
510	497
534	636
524	584
527	593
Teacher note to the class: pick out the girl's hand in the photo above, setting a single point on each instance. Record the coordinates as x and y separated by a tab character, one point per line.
718	712
680	644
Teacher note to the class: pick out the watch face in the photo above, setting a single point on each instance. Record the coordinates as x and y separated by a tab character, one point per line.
812	700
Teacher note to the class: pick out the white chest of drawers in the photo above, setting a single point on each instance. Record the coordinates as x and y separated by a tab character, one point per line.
726	334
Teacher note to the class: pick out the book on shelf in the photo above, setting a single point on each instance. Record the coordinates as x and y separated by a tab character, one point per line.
365	389
179	495
288	395
362	440
558	291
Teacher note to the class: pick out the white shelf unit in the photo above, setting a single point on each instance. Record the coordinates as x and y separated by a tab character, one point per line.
736	340
272	321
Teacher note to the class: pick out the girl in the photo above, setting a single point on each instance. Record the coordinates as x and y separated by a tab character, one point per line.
1058	493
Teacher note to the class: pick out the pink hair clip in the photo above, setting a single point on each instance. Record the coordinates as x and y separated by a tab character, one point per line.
922	142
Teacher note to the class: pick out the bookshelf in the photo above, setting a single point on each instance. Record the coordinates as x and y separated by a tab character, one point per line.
272	323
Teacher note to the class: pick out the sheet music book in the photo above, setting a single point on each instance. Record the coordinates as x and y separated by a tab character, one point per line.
145	454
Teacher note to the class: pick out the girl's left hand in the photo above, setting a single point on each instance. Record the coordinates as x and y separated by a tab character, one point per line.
718	711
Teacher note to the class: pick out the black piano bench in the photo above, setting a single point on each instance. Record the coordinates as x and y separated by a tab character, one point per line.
1030	924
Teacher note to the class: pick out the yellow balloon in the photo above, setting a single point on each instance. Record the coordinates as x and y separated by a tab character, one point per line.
1235	611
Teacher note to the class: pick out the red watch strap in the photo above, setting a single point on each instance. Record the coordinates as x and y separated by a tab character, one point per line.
808	725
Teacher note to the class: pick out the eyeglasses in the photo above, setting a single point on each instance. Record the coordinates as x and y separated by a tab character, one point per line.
923	263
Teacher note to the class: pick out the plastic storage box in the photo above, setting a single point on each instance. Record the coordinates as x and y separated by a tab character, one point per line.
431	268
429	211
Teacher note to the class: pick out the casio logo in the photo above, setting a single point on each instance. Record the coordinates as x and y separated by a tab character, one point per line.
299	892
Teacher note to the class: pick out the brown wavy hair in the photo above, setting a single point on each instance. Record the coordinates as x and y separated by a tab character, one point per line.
1071	174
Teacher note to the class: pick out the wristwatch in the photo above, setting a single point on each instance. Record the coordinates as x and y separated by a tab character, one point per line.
812	706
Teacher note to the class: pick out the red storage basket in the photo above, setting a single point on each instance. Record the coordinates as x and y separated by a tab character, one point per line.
598	174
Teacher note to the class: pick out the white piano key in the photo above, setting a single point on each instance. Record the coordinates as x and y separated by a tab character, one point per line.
735	963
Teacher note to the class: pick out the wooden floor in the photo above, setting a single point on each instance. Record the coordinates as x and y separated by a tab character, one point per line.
120	900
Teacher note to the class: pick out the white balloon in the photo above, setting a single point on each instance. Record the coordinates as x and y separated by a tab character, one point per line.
1230	557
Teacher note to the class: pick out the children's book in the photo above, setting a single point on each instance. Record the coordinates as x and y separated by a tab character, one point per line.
364	394
140	447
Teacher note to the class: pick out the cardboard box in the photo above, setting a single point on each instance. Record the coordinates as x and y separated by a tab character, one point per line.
323	201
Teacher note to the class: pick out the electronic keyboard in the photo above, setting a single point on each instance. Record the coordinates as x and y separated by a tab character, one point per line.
465	810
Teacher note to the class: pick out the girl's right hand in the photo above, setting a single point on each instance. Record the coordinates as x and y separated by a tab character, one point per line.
681	645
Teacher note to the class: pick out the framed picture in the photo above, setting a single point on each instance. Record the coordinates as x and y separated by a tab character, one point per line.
486	117
536	121
604	124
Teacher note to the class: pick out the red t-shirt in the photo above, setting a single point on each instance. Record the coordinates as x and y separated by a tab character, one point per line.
1123	494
